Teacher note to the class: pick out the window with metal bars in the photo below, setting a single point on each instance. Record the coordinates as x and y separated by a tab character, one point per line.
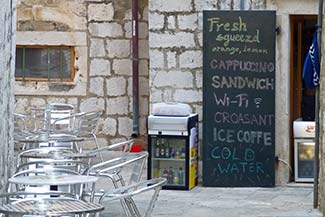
45	63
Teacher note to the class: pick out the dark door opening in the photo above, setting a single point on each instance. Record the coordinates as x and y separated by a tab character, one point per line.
302	99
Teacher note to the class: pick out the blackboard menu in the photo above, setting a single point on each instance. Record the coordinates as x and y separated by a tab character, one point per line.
238	98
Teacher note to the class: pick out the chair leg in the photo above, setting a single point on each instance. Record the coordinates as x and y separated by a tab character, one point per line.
132	207
97	146
75	146
128	203
124	204
152	202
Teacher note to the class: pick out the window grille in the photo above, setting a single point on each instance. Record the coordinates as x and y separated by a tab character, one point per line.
45	63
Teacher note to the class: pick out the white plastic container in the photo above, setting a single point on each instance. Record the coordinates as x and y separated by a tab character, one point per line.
171	109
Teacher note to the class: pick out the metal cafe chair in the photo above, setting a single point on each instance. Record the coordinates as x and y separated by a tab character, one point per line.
113	169
47	154
32	173
45	116
119	148
43	119
24	126
127	193
83	125
55	111
51	203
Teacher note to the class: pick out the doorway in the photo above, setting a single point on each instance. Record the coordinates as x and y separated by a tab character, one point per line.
302	99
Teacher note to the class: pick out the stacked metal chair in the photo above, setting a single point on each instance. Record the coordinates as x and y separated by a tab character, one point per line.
128	193
112	170
82	125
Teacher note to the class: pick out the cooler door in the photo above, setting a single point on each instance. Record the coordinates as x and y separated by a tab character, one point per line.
168	158
304	160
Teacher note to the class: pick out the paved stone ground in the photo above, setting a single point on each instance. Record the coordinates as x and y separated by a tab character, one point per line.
295	200
237	202
228	202
291	201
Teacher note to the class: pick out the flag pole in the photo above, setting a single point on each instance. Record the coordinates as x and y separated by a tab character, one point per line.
316	161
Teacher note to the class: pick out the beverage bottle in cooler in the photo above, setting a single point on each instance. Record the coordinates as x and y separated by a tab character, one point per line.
162	150
176	178
183	153
180	176
172	152
170	175
177	154
167	150
155	173
165	174
157	149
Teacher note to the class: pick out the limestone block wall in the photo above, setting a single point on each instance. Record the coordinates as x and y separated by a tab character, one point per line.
100	31
7	60
175	47
321	180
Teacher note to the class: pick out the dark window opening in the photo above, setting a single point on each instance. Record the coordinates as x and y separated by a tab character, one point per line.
44	63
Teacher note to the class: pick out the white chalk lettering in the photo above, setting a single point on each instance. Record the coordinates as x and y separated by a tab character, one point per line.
244	66
215	24
238	82
244	118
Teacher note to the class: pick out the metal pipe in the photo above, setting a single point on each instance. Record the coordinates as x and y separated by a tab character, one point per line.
242	4
316	161
135	69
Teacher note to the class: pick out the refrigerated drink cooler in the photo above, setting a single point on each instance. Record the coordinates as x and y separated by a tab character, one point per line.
304	147
173	150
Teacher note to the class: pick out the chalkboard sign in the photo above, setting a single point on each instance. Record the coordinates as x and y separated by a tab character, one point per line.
238	98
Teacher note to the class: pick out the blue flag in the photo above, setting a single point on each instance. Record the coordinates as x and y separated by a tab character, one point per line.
311	71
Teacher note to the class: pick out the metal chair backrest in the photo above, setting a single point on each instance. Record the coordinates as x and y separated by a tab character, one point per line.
23	124
82	124
56	111
128	192
87	123
121	147
112	168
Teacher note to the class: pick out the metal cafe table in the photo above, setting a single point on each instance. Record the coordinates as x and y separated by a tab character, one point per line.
55	180
47	206
51	139
55	153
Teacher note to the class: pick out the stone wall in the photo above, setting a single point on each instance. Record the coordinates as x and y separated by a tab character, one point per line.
100	32
175	47
7	58
321	180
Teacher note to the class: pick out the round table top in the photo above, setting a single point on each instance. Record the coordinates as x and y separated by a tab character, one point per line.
52	206
55	154
51	138
54	179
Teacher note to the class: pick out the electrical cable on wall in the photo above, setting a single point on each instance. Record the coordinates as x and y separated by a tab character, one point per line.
286	163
